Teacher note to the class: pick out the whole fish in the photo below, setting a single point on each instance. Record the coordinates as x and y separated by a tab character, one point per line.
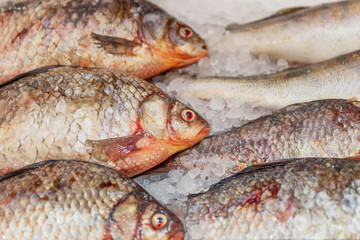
134	36
326	128
303	198
335	78
93	115
80	200
303	35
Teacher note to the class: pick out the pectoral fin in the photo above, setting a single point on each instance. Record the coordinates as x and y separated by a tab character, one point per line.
113	148
114	45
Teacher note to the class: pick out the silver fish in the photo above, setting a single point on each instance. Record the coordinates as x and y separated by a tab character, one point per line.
335	78
304	35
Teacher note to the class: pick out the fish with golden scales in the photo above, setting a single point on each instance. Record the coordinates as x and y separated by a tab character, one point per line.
80	200
301	34
133	36
324	128
315	198
93	115
335	78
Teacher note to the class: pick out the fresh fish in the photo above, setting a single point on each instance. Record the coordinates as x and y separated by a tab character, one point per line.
335	78
134	36
326	128
80	200
92	115
303	35
303	198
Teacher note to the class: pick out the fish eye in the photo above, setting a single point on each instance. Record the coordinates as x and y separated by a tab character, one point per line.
188	115
185	31
158	220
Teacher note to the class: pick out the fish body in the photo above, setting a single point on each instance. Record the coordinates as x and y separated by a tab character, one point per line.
325	128
303	35
335	78
133	36
301	198
92	115
80	200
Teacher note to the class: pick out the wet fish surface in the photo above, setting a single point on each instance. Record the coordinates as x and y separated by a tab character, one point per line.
80	200
325	128
133	36
335	78
95	115
303	198
298	34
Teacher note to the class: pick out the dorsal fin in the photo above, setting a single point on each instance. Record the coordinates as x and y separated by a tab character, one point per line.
26	169
30	73
282	12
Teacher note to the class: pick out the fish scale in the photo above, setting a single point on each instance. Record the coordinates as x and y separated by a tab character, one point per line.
70	113
110	34
79	200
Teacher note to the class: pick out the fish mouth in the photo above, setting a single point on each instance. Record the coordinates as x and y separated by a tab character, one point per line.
177	236
199	53
203	132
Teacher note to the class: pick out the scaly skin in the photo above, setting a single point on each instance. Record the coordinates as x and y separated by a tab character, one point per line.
303	198
53	32
300	36
79	200
335	78
326	128
84	114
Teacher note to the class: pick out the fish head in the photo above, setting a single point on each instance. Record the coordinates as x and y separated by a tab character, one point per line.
143	218
173	124
174	43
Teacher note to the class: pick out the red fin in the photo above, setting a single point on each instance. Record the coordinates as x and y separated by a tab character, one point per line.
354	158
114	148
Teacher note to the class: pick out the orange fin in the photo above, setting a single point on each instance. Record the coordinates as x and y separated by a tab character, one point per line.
114	45
354	158
114	148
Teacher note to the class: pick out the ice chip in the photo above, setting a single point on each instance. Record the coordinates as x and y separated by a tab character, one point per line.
217	103
194	172
186	185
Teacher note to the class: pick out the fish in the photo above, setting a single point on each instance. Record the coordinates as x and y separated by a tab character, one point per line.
301	34
325	128
92	114
335	78
133	36
314	198
66	199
